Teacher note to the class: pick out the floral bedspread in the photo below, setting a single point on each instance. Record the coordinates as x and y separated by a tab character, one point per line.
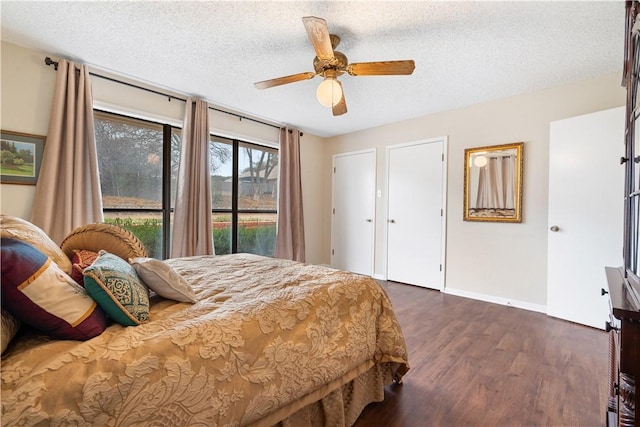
263	334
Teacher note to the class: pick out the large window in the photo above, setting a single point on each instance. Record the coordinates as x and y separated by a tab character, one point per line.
138	160
244	186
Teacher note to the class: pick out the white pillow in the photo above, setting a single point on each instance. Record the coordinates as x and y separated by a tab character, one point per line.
163	280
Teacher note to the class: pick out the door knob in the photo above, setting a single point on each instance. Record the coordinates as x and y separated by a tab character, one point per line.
555	228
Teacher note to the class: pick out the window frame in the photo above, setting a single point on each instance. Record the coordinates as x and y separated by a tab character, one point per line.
235	211
166	208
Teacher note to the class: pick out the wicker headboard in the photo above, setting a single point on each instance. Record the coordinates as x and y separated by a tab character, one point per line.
111	238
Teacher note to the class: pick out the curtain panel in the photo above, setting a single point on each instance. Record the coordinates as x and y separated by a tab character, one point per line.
290	228
68	191
192	230
497	183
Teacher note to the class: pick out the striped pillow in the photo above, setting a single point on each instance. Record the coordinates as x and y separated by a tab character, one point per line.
37	292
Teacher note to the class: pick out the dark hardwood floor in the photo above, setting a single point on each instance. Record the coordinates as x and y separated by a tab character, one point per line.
479	364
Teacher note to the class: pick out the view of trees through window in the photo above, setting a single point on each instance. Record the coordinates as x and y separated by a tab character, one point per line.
244	184
138	183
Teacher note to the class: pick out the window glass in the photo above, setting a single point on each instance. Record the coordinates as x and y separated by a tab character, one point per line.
244	196
129	161
258	177
145	225
131	165
221	165
138	192
222	233
257	233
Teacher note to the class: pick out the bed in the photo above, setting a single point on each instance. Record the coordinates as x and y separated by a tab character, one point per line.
267	342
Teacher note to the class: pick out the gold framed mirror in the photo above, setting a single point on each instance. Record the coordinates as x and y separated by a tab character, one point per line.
493	183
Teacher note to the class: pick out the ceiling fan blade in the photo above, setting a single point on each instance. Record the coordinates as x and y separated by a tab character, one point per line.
319	37
284	80
381	68
341	107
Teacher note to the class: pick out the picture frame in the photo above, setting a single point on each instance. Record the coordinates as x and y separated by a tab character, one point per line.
493	183
20	157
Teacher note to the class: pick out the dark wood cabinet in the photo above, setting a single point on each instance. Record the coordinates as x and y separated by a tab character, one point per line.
624	350
624	282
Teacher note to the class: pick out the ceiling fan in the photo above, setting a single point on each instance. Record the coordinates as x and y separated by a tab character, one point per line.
329	63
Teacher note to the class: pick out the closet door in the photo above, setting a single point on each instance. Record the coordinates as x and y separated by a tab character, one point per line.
353	219
415	223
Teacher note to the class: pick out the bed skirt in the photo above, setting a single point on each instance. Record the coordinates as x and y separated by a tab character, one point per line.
336	405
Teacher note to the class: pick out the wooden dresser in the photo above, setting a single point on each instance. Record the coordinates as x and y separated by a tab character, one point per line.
624	282
624	351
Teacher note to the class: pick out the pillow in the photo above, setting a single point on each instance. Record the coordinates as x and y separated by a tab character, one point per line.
163	280
100	236
81	260
18	228
114	284
37	292
10	326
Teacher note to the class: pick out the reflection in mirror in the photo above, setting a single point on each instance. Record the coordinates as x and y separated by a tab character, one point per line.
493	183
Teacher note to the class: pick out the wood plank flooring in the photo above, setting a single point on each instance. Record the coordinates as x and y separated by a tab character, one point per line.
480	364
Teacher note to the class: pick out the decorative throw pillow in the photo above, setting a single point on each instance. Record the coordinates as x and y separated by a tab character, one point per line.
81	260
10	327
114	284
18	228
37	292
163	280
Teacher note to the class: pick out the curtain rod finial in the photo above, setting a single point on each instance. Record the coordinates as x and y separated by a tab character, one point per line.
50	62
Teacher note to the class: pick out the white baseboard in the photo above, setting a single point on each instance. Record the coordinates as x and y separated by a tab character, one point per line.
378	276
497	300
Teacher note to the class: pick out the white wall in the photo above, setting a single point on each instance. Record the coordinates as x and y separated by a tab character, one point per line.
493	261
505	261
27	91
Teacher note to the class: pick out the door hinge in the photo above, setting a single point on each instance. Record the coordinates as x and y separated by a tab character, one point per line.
441	212
440	267
334	169
333	252
443	157
334	211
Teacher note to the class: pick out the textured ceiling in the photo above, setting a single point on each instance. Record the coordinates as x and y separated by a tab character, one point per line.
465	52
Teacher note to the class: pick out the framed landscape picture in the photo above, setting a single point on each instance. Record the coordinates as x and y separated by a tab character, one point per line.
20	157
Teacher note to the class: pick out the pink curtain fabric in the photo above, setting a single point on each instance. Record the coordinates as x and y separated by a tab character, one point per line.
68	191
290	229
192	230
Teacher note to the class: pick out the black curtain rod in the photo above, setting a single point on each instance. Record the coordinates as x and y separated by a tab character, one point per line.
50	62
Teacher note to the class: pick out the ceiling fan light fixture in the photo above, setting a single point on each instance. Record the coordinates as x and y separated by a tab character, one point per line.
329	92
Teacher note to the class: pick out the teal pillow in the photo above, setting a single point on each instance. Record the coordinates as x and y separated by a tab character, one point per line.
115	286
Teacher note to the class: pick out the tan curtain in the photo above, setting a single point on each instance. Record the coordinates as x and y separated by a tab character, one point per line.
192	234
496	183
290	234
509	181
68	190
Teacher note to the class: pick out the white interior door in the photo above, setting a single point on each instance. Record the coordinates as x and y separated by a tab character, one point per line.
415	220
586	188
352	231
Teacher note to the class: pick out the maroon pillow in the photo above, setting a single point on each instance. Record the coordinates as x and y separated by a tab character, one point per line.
81	260
37	292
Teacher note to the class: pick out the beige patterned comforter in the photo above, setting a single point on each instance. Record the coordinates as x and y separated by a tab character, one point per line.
265	337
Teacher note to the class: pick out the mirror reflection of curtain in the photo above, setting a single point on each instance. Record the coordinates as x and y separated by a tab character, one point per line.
497	184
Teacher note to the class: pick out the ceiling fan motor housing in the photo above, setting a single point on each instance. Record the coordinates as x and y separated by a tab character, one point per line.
338	62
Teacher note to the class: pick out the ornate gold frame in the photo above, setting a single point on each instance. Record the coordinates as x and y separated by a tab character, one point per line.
472	213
